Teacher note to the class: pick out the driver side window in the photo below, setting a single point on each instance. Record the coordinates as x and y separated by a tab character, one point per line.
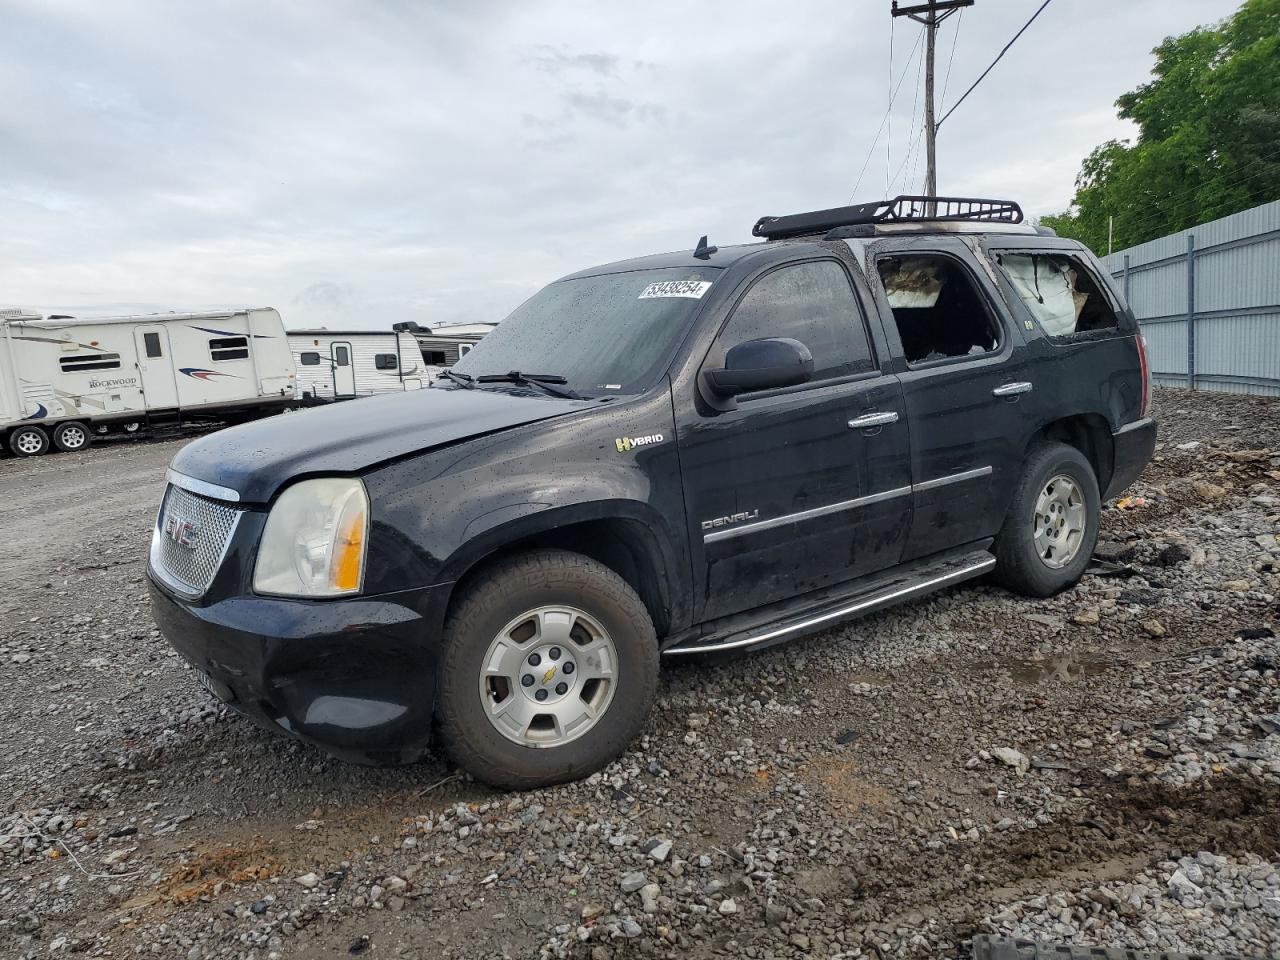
810	302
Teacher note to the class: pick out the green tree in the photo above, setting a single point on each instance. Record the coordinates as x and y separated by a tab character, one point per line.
1208	141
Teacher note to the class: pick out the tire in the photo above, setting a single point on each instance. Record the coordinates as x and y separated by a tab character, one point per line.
71	436
1040	566
28	442
520	606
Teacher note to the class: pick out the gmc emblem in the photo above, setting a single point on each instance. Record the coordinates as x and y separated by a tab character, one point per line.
182	532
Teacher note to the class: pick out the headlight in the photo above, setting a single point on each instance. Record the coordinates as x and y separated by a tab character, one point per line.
314	541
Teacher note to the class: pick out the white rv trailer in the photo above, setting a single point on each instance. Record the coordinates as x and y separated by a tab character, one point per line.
62	380
342	364
444	346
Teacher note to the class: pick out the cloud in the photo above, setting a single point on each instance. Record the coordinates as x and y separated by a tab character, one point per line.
437	162
557	60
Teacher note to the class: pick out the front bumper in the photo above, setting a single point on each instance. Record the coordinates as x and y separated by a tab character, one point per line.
354	677
1133	446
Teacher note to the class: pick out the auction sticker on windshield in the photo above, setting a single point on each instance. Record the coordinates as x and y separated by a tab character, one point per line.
693	289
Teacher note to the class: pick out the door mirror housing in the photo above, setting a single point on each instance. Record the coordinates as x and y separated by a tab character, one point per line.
760	365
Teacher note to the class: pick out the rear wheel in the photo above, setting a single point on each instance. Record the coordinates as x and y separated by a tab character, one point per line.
28	442
72	436
1052	525
549	670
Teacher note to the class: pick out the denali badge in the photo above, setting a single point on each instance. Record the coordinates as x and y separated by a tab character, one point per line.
627	443
182	532
730	520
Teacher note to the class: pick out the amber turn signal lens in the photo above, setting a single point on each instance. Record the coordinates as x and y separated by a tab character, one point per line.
348	552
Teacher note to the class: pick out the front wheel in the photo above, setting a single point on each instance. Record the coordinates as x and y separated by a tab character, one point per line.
1052	525
549	669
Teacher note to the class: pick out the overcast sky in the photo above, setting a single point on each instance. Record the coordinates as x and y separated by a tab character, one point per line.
367	162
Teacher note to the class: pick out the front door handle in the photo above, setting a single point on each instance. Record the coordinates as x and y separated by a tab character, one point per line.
869	420
1011	389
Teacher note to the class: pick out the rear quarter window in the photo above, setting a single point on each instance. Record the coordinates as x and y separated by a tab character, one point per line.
1062	295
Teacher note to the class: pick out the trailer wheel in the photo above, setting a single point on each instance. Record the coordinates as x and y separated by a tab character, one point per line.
28	442
72	436
132	426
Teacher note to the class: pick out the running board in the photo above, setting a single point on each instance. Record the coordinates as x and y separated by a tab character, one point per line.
918	582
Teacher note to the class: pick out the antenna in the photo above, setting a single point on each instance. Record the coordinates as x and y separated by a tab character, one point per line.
702	251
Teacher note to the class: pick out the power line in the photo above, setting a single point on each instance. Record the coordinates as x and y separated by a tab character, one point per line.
912	157
912	141
1142	223
1189	197
888	142
954	37
993	63
915	162
879	131
1183	201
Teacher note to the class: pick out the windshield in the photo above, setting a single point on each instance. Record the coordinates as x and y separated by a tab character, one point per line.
610	334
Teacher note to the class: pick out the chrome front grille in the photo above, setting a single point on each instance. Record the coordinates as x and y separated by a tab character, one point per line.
191	538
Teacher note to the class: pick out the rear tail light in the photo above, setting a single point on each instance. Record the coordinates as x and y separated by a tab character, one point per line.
1145	369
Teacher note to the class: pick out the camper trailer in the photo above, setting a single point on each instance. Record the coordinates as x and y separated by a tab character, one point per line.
63	380
342	364
444	346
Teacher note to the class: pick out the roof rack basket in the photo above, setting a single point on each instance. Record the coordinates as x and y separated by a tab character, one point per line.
903	208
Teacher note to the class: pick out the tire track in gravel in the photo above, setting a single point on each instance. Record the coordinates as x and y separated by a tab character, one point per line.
1131	825
1127	822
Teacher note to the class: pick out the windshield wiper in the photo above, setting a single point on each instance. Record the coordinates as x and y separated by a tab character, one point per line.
543	380
463	378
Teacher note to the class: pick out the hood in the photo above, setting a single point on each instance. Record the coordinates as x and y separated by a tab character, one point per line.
256	459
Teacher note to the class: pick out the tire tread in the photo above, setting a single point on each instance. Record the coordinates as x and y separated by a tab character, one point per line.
1017	566
533	570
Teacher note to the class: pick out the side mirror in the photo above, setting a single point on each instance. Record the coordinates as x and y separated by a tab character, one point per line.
760	365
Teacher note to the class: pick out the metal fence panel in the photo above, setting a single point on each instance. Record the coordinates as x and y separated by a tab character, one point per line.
1159	290
1167	352
1229	270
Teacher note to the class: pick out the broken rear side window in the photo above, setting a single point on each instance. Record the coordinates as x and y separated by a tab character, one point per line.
938	311
1059	293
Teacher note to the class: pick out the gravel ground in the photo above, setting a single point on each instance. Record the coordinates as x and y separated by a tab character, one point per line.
1102	767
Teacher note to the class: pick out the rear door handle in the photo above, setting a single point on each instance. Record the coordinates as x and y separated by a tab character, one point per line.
868	420
1011	389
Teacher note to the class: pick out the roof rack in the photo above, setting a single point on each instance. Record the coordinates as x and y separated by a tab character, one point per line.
909	208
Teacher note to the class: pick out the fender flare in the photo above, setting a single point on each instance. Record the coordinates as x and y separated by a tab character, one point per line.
654	538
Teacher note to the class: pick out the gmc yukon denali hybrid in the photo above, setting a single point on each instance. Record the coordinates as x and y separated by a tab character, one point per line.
717	449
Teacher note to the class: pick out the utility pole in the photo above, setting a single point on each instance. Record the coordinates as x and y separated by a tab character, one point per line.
930	14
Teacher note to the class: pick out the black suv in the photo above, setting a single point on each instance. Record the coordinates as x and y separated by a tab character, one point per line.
708	450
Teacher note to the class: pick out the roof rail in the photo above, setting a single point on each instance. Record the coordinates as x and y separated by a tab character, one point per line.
901	208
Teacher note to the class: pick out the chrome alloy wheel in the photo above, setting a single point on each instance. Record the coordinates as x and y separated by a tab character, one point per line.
548	676
29	443
1060	522
73	437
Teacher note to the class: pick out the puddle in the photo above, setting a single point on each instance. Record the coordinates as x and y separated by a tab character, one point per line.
1056	668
